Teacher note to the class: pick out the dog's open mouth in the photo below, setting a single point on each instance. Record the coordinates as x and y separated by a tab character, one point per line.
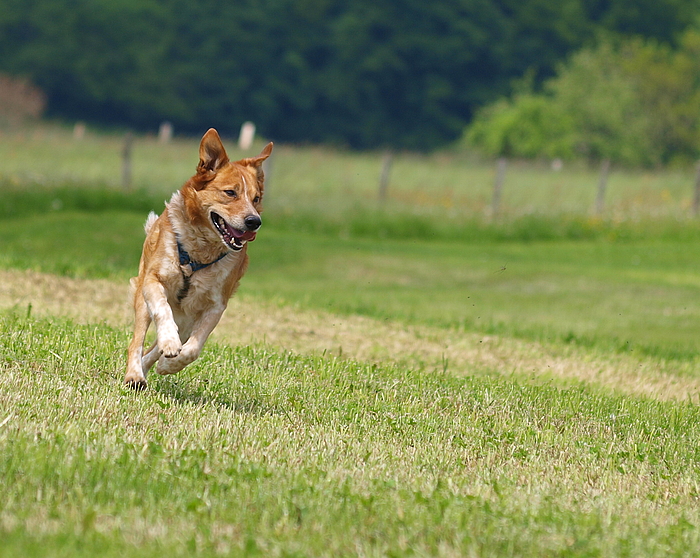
234	238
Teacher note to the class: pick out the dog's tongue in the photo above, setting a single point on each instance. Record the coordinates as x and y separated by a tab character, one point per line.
243	235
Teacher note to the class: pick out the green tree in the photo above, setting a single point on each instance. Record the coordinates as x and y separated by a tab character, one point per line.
528	126
97	59
637	103
663	20
407	73
667	82
601	102
401	73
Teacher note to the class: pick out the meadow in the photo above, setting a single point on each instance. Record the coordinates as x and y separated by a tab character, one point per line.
260	450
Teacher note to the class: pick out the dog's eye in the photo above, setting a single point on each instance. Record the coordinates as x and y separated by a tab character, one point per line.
231	193
256	199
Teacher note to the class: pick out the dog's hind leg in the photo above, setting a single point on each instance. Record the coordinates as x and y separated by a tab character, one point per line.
135	372
192	348
150	358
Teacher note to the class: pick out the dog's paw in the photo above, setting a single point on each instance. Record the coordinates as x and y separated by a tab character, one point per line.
188	354
137	383
168	366
170	347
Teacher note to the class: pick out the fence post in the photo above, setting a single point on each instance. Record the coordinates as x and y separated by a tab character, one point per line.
126	160
165	132
602	186
501	165
79	131
246	136
387	161
696	193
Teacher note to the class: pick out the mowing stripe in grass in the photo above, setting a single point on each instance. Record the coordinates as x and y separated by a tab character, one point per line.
250	320
252	449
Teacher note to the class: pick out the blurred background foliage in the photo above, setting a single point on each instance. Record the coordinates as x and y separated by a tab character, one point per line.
366	74
634	101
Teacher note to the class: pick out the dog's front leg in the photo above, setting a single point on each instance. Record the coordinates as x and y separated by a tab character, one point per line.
192	348
168	339
135	372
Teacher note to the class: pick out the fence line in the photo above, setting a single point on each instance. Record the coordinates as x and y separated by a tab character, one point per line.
126	160
602	186
501	165
387	161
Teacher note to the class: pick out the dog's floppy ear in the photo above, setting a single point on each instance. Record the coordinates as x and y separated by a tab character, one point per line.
257	161
212	155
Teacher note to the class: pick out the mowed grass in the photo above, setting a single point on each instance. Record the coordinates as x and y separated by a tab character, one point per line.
641	296
638	295
255	452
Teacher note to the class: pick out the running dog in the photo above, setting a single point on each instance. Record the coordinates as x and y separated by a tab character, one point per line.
194	256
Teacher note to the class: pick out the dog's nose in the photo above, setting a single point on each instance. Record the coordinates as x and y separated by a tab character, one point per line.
252	222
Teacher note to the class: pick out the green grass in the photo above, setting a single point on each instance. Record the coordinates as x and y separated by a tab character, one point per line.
451	184
638	294
254	452
74	243
642	296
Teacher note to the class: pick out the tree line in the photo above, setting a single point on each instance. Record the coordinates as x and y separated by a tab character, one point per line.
361	73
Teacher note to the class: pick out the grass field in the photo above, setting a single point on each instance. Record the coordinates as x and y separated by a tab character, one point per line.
282	455
450	185
638	295
530	386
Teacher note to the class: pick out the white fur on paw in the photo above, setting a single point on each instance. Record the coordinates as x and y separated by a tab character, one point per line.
170	347
167	366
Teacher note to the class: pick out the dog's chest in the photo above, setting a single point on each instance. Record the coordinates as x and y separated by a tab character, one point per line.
200	290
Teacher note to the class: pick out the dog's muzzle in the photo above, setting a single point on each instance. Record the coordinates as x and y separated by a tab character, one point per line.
235	238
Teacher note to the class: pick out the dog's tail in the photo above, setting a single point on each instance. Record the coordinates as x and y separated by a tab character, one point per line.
150	220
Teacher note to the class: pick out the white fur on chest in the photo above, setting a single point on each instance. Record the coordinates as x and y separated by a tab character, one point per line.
206	286
201	291
203	288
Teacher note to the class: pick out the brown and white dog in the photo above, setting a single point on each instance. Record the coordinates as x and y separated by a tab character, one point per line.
193	258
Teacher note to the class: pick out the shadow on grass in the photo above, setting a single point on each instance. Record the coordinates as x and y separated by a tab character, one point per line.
203	392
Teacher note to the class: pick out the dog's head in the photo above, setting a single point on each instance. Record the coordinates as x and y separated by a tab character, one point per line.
227	196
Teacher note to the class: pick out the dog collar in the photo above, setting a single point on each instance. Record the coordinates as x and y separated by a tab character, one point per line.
194	265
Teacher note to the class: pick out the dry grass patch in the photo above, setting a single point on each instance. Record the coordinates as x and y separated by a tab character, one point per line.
249	321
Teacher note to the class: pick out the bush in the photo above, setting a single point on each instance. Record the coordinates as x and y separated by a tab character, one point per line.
636	103
602	100
530	126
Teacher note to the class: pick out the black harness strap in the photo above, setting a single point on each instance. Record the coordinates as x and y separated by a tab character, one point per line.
194	266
